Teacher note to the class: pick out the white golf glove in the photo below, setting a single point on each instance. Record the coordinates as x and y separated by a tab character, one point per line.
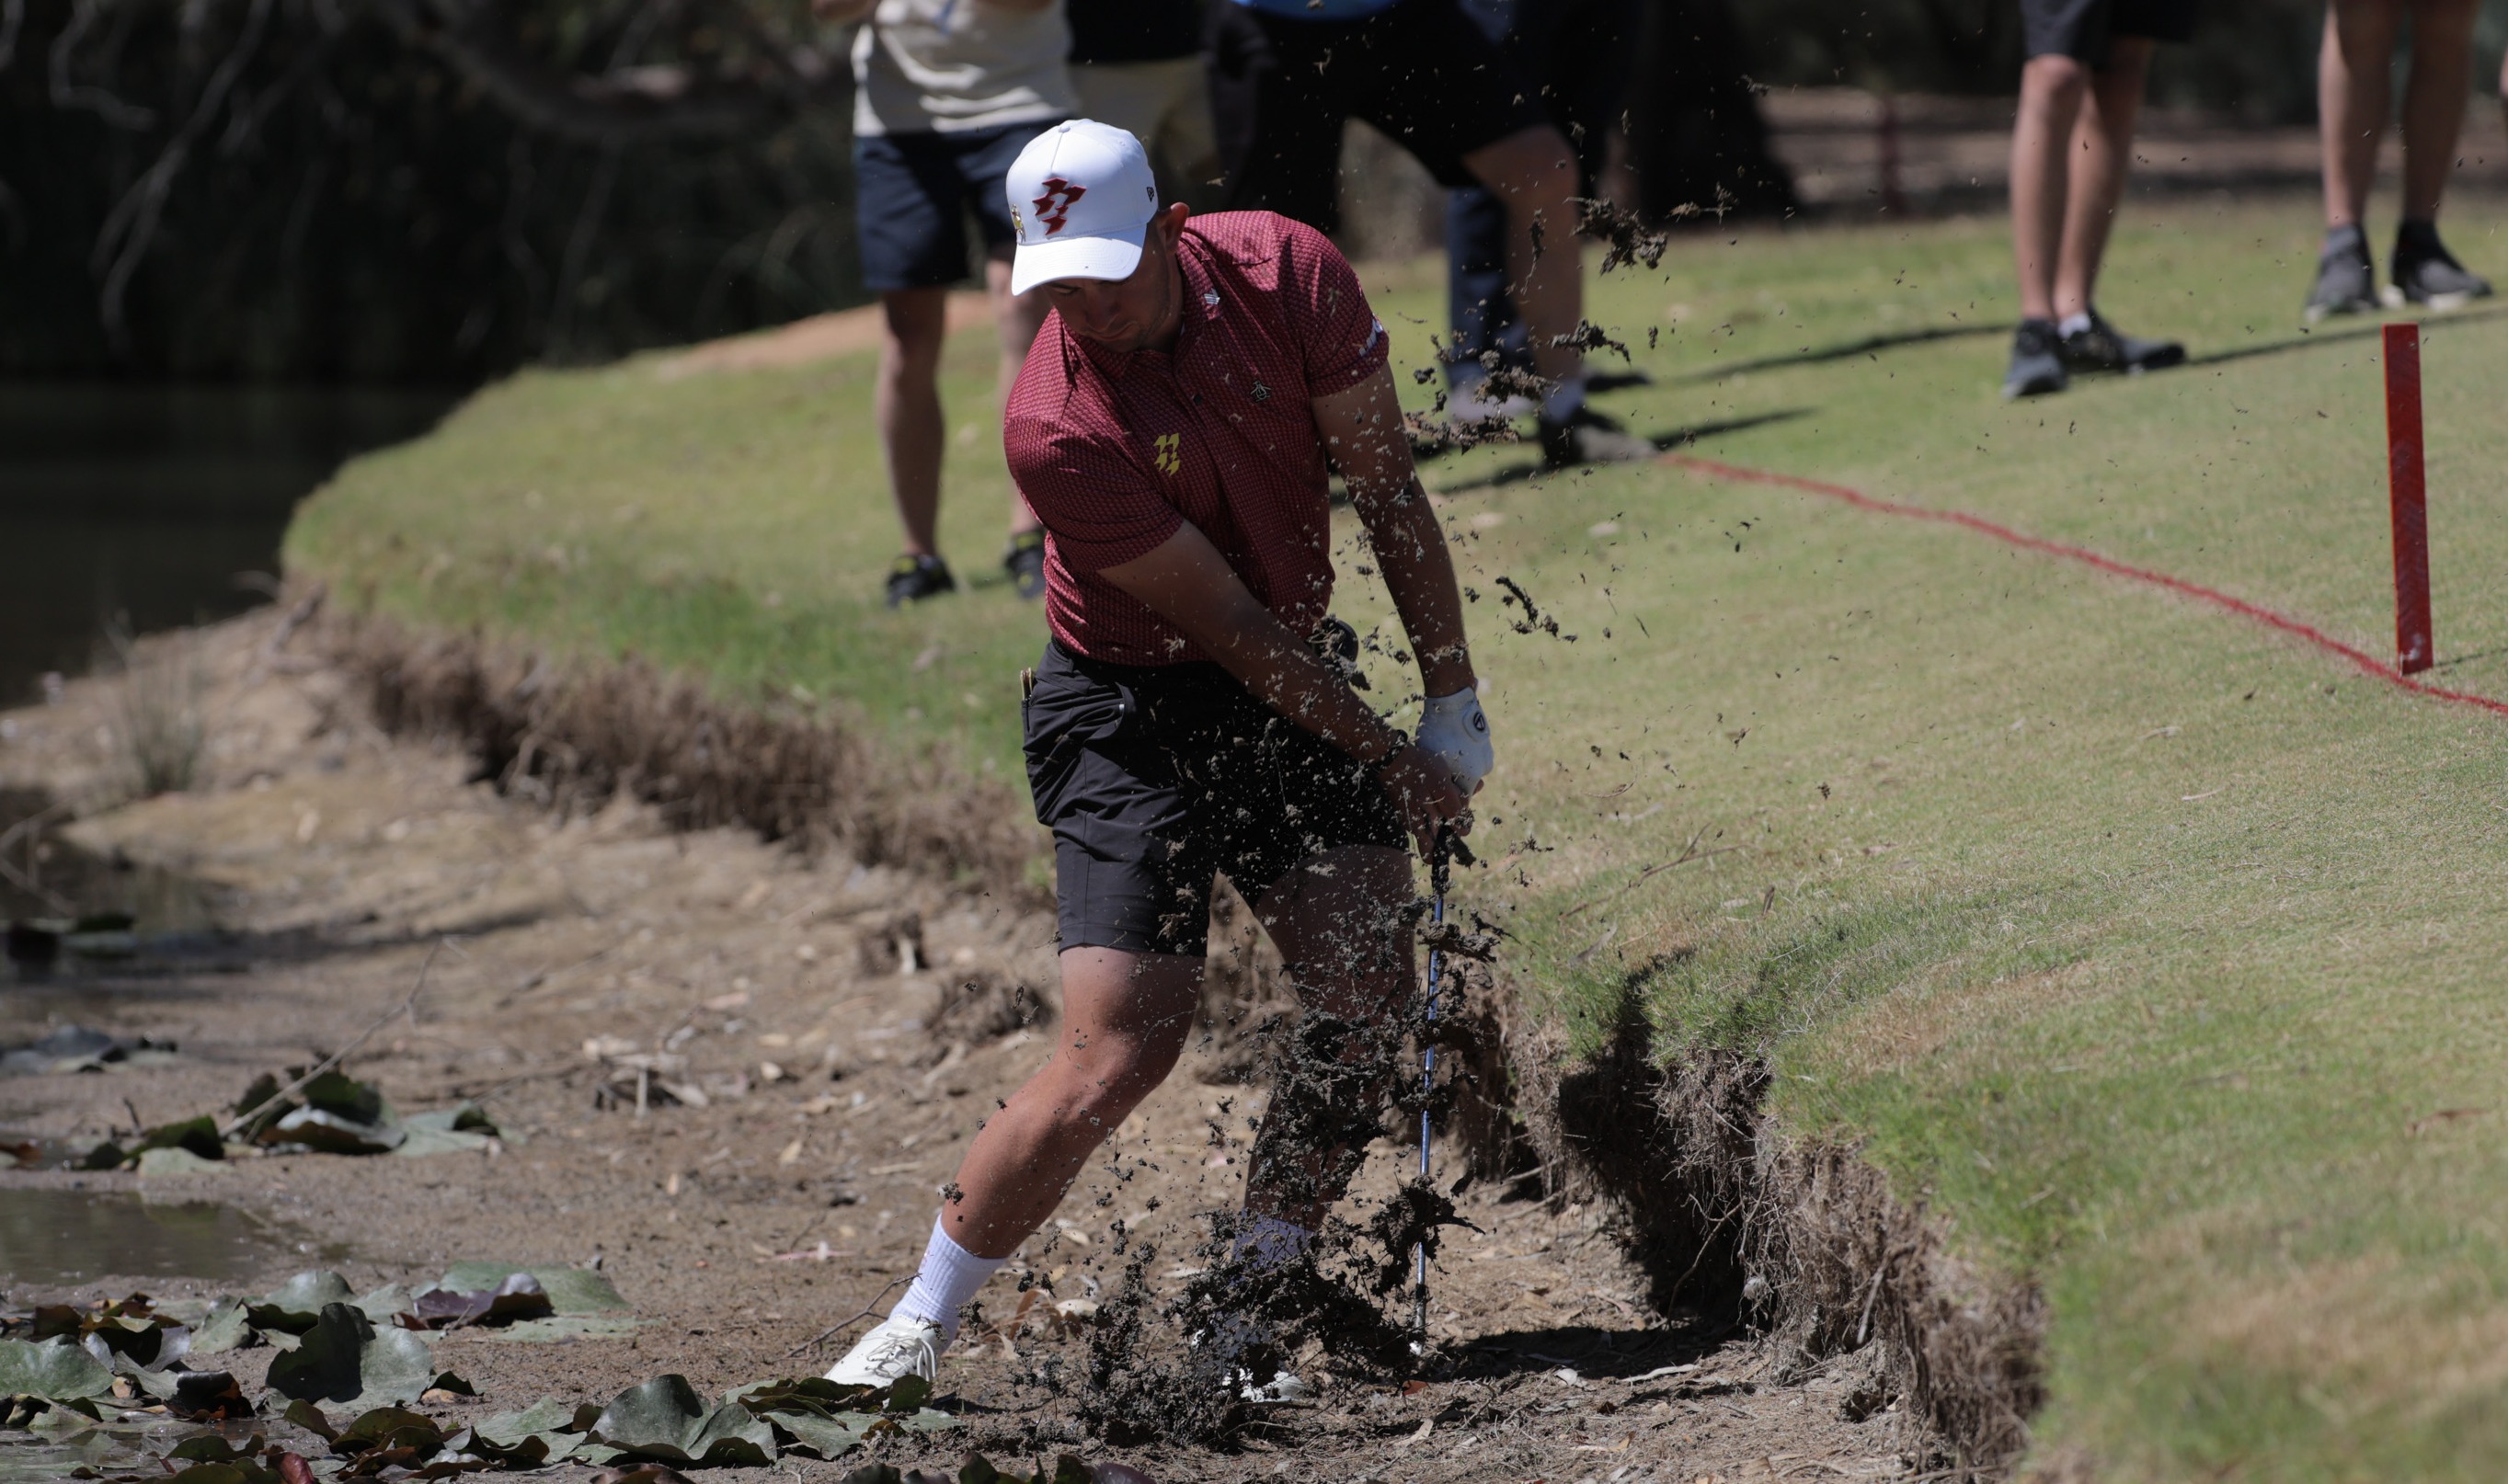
1456	731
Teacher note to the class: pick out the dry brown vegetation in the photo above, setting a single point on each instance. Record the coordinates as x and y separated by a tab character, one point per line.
574	735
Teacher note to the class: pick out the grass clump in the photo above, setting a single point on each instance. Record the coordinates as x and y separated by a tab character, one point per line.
2149	952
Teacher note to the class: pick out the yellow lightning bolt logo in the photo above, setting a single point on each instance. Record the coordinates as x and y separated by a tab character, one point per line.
1166	451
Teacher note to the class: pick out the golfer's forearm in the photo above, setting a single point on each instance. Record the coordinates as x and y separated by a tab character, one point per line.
1274	665
1419	574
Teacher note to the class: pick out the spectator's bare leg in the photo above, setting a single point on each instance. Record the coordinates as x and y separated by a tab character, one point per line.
2052	88
2101	151
2434	99
908	407
1534	172
2352	95
1016	317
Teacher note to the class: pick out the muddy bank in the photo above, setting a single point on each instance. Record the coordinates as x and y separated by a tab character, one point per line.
1724	1209
737	1074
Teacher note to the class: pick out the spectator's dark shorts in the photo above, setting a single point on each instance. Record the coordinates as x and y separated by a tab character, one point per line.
2082	29
1280	90
914	192
1154	780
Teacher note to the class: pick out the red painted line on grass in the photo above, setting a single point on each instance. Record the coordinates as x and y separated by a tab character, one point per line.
2360	659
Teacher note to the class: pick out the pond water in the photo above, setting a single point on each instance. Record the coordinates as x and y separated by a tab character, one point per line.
54	1236
145	505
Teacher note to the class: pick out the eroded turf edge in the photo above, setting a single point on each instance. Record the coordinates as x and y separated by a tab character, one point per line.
1723	1208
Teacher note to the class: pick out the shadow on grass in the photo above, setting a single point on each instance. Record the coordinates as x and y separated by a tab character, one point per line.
2313	339
1516	474
1871	344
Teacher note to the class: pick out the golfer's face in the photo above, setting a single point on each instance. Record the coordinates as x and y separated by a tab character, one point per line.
1121	314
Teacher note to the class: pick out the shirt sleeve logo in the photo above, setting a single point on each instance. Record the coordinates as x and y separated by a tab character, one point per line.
1053	207
1167	450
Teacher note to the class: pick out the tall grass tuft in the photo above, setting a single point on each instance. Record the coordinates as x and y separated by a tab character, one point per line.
159	730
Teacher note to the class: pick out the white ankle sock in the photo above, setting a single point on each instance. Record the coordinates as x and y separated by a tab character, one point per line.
949	1276
2072	324
1265	1242
1562	401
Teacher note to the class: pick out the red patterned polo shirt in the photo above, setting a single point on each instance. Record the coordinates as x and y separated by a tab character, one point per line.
1116	450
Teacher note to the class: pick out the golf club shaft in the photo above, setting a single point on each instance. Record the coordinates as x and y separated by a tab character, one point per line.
1437	879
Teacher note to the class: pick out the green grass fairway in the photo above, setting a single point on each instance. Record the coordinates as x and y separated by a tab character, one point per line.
2159	954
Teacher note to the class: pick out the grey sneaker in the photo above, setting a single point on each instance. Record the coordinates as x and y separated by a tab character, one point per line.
2347	278
2424	272
2037	361
2105	347
1587	437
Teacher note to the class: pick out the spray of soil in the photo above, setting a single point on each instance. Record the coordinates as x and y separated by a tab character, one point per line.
1178	1368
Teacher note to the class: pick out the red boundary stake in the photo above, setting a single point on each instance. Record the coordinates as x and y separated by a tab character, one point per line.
2360	659
2408	498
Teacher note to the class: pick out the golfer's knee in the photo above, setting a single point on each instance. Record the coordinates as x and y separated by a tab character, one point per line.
1101	1089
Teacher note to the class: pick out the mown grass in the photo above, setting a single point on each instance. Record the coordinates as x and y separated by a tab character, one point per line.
2157	953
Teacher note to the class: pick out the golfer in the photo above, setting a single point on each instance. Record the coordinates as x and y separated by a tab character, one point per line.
1174	428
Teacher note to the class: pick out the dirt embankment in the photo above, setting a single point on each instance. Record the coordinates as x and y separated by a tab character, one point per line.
813	1037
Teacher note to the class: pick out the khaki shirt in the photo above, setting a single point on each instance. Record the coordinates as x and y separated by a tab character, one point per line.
956	66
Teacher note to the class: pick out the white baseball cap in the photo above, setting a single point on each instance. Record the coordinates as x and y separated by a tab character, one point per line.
1081	197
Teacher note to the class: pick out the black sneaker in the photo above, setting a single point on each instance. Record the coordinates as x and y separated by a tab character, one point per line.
2105	347
2424	272
1587	437
2037	361
2347	278
912	579
1024	561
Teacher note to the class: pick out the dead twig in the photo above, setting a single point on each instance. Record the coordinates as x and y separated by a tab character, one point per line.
408	1006
832	1330
1689	853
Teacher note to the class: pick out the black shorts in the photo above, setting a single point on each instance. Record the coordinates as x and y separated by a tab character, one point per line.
913	194
2080	28
1280	90
1157	780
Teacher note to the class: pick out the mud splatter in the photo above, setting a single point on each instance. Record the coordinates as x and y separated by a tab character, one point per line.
1626	239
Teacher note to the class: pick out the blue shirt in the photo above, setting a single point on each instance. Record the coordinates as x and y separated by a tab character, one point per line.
1329	10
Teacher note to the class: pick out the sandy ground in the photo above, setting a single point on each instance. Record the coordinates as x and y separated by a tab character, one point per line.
319	865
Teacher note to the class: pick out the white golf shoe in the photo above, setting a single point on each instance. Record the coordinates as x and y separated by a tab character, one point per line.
900	1346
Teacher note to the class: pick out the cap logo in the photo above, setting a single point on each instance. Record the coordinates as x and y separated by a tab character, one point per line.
1053	207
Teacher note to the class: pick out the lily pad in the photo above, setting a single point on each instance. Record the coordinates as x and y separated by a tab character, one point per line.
294	1304
156	1164
198	1134
345	1097
344	1358
329	1133
830	1420
227	1327
571	1290
519	1296
664	1418
464	1117
55	1370
418	1142
544	1416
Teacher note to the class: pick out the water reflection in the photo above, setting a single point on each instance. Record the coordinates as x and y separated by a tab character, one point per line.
148	501
55	1237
